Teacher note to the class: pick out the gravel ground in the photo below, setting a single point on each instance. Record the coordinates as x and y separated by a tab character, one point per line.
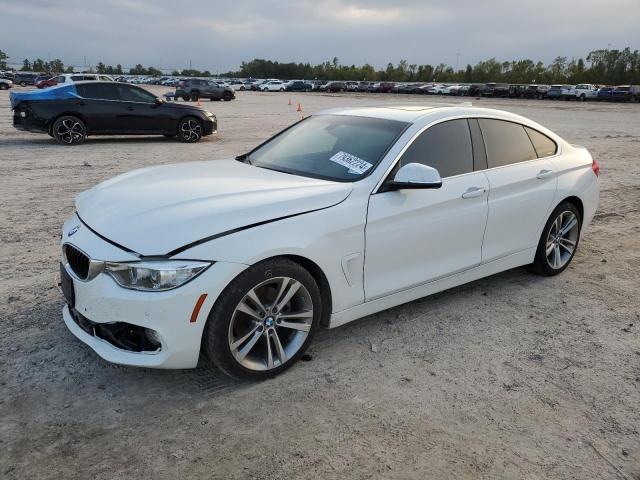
513	376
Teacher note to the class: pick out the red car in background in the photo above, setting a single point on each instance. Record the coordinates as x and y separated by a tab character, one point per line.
47	82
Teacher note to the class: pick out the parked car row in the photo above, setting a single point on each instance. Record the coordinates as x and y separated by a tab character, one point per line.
581	92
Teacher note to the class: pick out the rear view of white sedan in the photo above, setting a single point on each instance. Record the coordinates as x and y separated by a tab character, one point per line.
343	214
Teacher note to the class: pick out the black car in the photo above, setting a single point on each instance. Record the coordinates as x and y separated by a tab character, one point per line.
334	87
71	112
517	91
536	91
605	93
626	93
475	89
495	90
24	79
298	86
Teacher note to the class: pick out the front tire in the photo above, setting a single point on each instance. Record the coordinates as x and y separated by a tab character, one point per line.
264	320
189	130
69	130
226	96
559	241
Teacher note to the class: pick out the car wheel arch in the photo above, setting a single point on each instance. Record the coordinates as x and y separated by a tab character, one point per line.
71	114
316	272
576	201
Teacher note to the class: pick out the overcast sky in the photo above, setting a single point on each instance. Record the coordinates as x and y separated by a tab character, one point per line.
218	35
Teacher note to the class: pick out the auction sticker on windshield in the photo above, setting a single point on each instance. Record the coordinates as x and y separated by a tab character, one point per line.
354	164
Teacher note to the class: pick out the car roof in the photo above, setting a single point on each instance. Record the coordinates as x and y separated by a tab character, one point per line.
415	113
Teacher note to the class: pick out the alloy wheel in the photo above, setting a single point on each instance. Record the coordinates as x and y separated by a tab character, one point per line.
562	239
191	130
70	131
270	324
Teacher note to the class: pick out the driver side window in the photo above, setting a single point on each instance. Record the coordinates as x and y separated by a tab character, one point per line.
445	147
134	94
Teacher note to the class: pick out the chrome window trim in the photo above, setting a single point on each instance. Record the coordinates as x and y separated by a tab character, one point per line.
376	189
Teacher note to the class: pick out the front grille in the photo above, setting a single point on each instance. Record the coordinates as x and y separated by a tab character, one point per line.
78	261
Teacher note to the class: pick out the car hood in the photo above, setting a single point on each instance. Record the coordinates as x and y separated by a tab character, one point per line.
183	106
161	210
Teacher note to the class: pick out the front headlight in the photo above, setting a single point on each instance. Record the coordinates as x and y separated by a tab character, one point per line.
154	276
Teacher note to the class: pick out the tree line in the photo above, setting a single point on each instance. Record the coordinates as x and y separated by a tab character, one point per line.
600	66
604	66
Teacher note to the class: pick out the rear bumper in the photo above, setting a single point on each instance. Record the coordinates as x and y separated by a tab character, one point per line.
29	124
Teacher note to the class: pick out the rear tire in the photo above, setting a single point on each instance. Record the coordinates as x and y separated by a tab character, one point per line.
556	248
69	130
249	340
3	86
226	96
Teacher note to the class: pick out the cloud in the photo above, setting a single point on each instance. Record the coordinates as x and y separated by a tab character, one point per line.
217	35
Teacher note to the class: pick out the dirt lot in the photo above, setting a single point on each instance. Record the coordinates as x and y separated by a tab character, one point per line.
514	376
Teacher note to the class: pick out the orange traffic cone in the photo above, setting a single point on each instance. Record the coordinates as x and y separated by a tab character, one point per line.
299	108
289	102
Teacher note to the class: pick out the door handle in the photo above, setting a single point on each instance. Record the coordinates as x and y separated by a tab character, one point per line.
542	174
82	103
474	192
130	109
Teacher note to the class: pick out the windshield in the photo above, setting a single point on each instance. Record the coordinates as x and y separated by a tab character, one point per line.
333	147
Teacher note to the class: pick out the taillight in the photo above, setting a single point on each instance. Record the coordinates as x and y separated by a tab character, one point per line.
595	167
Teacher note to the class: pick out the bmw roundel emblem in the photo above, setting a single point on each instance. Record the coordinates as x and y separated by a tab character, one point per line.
73	230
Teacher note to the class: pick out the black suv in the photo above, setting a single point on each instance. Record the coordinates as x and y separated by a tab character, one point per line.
495	90
298	86
334	87
195	88
536	91
626	93
24	79
517	91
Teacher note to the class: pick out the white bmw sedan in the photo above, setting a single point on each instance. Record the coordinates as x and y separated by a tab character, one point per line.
343	214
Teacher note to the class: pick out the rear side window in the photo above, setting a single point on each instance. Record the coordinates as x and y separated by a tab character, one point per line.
543	145
77	78
100	91
506	142
445	147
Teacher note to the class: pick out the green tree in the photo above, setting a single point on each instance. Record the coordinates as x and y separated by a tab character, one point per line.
38	65
56	66
3	60
26	65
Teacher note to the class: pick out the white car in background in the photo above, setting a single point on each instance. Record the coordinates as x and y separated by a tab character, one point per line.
437	89
273	86
349	212
79	77
5	84
451	90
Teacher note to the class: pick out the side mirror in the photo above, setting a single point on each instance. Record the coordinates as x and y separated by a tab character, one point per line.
159	101
415	175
